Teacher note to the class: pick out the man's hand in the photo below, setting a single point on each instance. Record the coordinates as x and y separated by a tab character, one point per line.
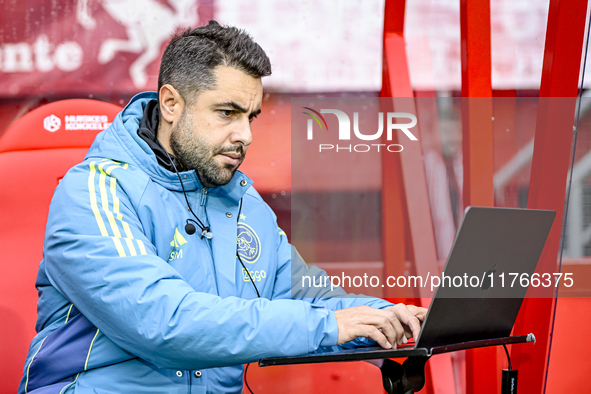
391	325
412	326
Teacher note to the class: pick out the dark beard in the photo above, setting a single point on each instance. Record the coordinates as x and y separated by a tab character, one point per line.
194	154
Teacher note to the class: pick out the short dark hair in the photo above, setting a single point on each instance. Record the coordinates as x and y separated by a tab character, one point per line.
190	57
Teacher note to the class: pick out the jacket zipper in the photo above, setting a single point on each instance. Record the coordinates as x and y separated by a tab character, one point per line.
203	204
203	196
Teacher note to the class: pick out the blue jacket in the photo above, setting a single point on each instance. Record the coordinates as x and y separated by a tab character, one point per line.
130	303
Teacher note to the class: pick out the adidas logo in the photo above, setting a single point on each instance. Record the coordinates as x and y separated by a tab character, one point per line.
177	242
178	239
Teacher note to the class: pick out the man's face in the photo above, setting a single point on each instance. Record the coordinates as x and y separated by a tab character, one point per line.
214	131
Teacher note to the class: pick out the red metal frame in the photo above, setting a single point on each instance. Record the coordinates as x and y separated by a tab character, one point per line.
405	174
477	127
395	243
565	33
552	149
412	166
477	150
394	239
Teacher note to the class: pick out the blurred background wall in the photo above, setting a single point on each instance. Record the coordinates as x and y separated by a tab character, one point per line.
109	50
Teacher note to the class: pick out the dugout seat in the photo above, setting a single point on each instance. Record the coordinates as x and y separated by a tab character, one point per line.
35	153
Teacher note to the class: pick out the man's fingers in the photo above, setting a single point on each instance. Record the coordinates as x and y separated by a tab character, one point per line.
389	327
383	321
398	329
374	333
387	322
362	322
405	316
418	311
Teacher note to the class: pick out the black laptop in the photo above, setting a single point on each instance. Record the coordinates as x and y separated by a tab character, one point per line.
484	285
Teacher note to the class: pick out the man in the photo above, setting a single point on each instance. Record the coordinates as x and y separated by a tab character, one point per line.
142	287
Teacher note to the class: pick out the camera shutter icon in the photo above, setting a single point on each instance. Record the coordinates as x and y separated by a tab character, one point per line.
52	123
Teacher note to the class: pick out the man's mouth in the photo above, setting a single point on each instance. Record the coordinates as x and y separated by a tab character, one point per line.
233	155
234	158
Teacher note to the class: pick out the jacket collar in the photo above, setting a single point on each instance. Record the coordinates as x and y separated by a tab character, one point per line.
148	131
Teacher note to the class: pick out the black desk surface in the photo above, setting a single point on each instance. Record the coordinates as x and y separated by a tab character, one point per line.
336	353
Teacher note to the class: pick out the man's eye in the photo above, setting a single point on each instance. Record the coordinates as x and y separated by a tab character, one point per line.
226	113
251	118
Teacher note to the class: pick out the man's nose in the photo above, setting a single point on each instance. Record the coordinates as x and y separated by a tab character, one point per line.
242	133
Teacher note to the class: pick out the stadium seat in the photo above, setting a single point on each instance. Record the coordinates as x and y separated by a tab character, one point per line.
35	153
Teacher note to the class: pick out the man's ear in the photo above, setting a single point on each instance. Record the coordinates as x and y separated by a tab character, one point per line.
171	103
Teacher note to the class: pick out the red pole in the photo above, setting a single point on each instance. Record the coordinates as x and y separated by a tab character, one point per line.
405	174
477	150
550	164
394	217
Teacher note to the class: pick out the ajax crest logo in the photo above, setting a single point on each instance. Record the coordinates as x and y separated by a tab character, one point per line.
249	245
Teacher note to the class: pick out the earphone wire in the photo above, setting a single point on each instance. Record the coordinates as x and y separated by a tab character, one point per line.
203	226
255	289
238	255
245	381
